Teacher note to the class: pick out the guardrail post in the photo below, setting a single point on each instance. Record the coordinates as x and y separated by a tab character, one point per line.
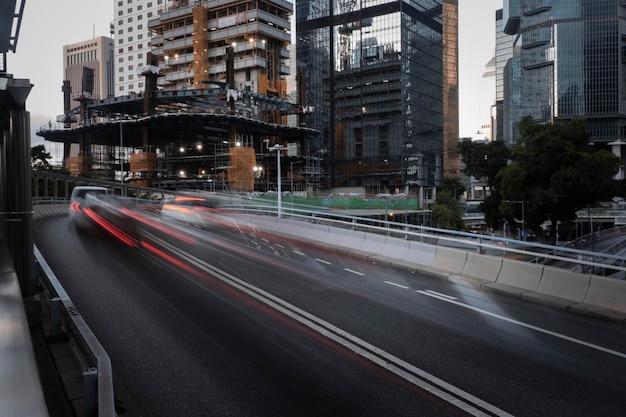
90	392
55	316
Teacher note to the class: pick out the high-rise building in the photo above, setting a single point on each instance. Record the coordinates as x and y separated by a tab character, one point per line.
132	41
568	60
376	74
503	53
88	66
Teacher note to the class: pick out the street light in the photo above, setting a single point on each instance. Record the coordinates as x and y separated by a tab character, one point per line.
277	148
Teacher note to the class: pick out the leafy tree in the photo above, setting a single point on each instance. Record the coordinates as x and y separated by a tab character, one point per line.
39	157
484	161
447	212
453	186
554	172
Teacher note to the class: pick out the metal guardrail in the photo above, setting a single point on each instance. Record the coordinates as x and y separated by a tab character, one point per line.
98	395
530	251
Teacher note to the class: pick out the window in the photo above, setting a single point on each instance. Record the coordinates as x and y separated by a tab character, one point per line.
121	88
130	68
120	51
120	78
120	3
120	69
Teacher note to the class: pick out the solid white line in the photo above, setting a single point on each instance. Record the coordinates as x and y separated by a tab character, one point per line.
280	246
417	376
353	271
298	253
322	261
397	285
528	326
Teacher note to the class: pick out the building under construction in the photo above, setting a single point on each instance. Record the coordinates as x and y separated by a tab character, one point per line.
215	101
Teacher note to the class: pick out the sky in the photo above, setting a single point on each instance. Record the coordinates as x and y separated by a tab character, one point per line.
48	25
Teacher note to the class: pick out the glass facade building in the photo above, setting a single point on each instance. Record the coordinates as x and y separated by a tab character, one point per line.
570	62
374	72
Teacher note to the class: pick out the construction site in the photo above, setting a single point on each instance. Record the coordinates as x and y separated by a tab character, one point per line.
214	107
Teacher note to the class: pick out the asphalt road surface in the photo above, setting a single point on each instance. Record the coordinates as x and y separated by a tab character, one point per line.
225	319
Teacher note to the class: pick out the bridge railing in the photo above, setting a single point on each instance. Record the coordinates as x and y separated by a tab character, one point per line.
66	322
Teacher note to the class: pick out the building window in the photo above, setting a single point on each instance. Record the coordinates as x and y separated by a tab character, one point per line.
121	78
120	69
120	3
120	51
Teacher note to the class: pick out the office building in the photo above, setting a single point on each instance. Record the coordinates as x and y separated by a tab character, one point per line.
568	60
89	67
132	41
383	81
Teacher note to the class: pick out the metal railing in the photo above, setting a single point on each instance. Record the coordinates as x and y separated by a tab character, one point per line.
97	375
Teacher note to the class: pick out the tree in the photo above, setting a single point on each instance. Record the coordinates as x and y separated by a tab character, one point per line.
555	173
453	186
39	157
484	161
447	212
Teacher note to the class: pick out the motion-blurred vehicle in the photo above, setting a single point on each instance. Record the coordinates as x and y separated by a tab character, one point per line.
189	209
85	198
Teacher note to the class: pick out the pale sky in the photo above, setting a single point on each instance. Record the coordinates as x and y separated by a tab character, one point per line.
48	25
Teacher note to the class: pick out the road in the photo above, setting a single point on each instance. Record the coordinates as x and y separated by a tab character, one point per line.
231	320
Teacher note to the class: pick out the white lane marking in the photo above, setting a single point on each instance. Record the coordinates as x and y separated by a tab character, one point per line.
417	376
280	246
298	253
439	294
322	261
396	285
353	271
526	325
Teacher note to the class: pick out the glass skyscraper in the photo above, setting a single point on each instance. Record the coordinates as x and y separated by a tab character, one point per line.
569	61
375	72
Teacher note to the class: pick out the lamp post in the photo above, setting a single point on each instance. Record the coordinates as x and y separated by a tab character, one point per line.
277	148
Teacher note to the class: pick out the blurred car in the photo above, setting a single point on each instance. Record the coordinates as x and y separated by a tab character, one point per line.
189	209
83	198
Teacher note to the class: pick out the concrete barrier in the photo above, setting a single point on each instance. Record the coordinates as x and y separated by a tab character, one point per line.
485	268
564	284
313	231
373	243
523	275
449	260
353	239
420	253
395	248
335	236
607	293
286	226
21	392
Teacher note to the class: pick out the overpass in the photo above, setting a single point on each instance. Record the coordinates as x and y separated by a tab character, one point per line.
460	258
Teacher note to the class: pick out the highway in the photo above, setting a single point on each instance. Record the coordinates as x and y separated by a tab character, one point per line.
231	320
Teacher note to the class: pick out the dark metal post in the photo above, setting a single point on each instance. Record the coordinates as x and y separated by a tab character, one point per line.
15	178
